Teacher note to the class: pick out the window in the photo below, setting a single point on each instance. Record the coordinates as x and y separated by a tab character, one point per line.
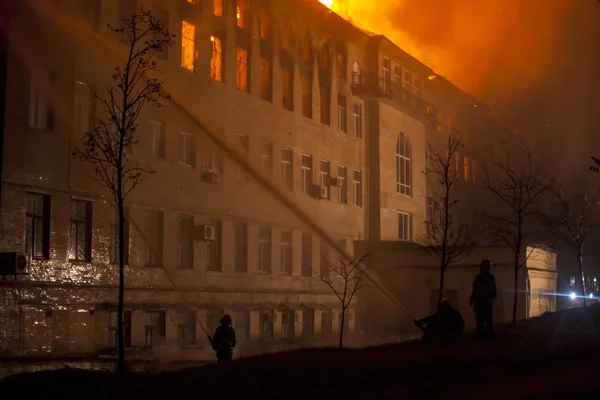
82	112
155	323
162	15
217	7
286	38
265	321
213	248
243	145
307	174
324	57
306	51
466	168
307	250
326	322
325	106
266	158
242	69
287	169
113	245
357	188
572	281
325	181
213	316
187	150
266	87
341	66
241	13
342	116
158	139
41	114
342	190
188	46
404	226
403	165
287	324
356	74
216	59
186	242
287	84
417	87
264	250
286	252
154	238
241	248
407	81
324	267
37	229
306	96
80	245
213	159
386	75
264	24
398	74
186	328
357	120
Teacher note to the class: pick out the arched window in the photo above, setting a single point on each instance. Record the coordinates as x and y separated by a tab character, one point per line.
307	46
403	165
286	38
324	57
356	73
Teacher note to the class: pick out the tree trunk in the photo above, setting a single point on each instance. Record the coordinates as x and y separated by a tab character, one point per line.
441	292
121	342
516	294
342	322
580	262
517	266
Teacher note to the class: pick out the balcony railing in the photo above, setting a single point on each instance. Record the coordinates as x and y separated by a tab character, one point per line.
408	100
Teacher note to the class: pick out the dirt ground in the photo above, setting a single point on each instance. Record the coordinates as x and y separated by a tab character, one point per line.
555	356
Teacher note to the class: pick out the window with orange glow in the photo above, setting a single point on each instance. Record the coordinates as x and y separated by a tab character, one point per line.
266	87
241	13
306	47
341	66
188	46
286	38
216	59
264	24
242	69
192	1
324	57
287	88
217	7
466	171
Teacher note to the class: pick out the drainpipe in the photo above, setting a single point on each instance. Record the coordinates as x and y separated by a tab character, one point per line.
4	20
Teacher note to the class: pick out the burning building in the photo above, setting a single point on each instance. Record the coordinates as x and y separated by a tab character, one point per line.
335	117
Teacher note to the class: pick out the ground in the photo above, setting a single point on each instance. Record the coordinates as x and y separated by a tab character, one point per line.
553	356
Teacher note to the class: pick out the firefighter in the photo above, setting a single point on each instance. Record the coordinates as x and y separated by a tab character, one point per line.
482	298
223	341
446	322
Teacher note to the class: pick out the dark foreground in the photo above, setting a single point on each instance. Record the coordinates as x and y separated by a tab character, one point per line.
552	357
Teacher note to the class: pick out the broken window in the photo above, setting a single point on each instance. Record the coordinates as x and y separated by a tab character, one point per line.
266	158
286	252
404	226
188	46
264	249
403	165
341	66
217	7
187	150
357	188
266	87
186	328
80	245
342	116
153	236
241	13
287	84
241	247
341	185
357	120
155	327
216	59
307	250
287	168
242	69
306	96
186	242
325	106
307	174
113	246
37	231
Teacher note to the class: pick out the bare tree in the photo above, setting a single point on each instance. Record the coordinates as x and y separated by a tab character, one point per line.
518	183
572	218
115	129
345	279
445	238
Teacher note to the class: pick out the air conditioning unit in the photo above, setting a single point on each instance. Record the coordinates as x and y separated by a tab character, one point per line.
12	263
211	177
209	233
324	192
338	182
